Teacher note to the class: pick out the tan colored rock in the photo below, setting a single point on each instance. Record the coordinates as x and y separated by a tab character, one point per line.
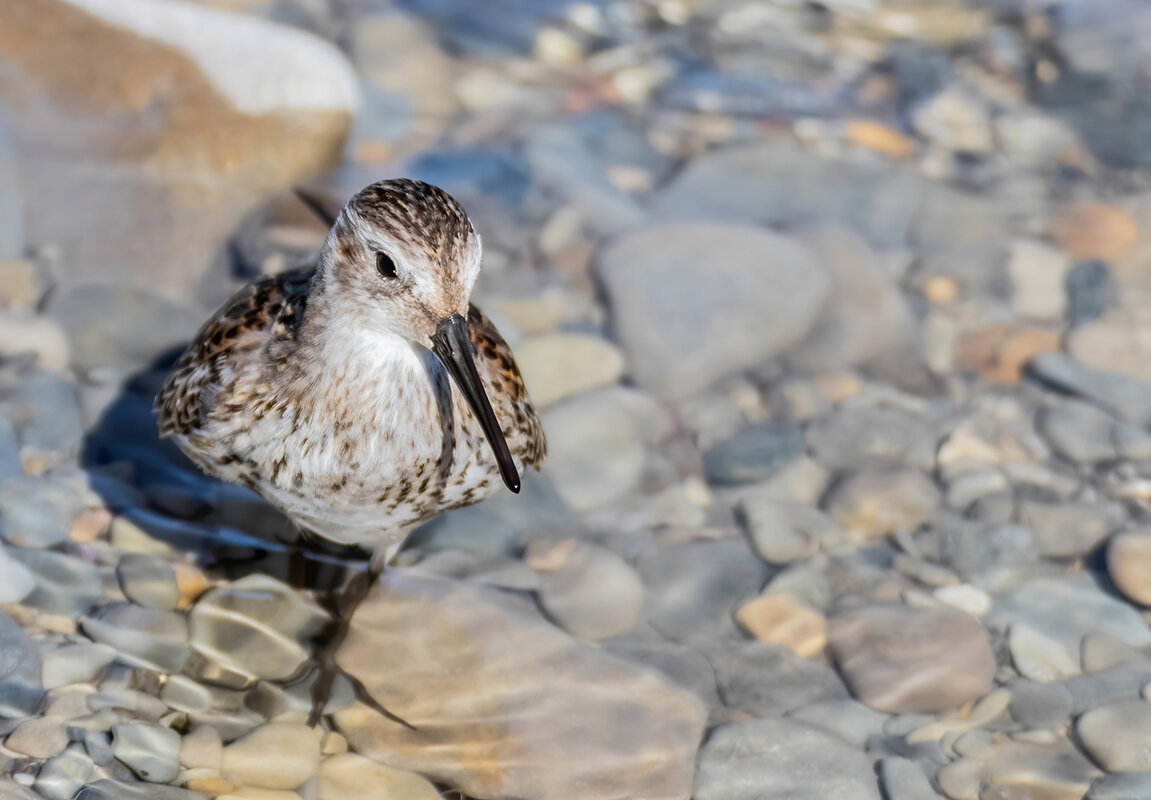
252	793
879	137
785	620
1129	564
145	130
1001	352
23	333
21	285
560	365
353	777
473	669
279	755
1094	230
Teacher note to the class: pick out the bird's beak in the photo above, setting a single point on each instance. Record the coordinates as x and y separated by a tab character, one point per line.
452	344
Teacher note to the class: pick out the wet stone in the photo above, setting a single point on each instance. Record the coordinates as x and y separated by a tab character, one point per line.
903	779
352	777
1118	736
1066	609
16	581
62	777
64	585
1100	650
1090	291
280	755
902	659
1039	706
767	680
75	663
694	588
684	666
150	751
850	720
10	464
37	512
44	411
778	759
1121	786
681	335
614	729
41	738
1129	564
876	503
859	434
118	790
754	454
146	636
588	591
148	580
255	626
786	532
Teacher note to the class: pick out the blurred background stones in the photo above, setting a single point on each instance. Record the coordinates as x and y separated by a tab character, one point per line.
836	316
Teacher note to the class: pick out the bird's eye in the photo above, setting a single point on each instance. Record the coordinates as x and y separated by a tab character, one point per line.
385	265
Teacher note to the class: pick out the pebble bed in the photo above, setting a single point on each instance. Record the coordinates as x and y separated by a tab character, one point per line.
837	316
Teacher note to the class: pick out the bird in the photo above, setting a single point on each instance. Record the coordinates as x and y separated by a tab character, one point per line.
365	393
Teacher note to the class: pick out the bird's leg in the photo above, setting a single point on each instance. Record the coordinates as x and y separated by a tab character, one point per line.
343	605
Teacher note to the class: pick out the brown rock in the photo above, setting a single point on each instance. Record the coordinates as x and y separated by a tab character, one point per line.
912	660
879	137
1001	352
145	130
504	704
1093	230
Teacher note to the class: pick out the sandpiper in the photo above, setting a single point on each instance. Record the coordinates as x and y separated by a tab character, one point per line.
365	394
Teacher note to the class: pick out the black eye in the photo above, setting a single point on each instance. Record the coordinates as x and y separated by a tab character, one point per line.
385	265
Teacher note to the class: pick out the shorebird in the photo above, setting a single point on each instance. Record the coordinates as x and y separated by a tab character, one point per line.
365	394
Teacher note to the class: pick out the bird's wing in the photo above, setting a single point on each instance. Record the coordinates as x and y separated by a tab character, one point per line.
506	390
258	316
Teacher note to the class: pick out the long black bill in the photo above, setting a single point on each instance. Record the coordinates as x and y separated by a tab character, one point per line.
453	345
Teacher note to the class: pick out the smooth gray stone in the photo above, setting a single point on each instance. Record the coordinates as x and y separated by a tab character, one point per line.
37	511
754	454
779	759
148	580
1121	786
154	638
10	464
64	585
903	779
766	679
62	777
862	434
150	751
49	413
1067	609
21	690
1121	682
1039	706
685	666
850	720
694	588
1127	397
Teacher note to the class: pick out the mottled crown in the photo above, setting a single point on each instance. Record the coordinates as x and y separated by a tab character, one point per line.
420	215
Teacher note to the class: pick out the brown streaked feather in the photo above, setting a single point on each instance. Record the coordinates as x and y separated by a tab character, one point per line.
261	314
506	386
